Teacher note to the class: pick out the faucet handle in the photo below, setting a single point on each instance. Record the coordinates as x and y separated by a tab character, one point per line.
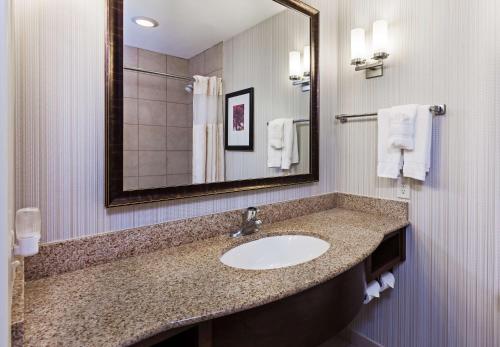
250	213
258	224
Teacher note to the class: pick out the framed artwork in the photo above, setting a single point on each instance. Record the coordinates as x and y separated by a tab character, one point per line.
239	122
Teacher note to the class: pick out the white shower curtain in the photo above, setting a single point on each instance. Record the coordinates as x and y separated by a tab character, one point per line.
208	130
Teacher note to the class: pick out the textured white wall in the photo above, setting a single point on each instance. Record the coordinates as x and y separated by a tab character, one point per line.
258	57
6	169
444	51
60	133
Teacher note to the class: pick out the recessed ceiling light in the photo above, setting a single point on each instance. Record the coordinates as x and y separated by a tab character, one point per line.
145	22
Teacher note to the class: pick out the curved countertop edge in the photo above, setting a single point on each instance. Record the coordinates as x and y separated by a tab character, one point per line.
352	234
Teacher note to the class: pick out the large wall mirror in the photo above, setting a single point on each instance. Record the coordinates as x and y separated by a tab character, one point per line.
207	97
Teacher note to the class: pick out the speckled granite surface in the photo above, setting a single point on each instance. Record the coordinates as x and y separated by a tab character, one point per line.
59	257
128	300
17	309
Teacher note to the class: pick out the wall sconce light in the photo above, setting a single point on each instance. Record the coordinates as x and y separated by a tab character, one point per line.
379	45
300	69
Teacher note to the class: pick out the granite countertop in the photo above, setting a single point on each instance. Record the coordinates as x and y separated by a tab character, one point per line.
128	300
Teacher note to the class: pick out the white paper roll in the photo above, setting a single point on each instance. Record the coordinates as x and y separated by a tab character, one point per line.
372	291
387	280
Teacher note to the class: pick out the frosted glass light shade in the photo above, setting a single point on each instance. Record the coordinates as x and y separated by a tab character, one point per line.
295	69
358	47
380	37
306	61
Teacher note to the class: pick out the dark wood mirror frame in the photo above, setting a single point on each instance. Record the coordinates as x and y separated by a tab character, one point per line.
116	196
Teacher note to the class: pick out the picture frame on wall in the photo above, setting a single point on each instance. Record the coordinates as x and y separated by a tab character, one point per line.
239	120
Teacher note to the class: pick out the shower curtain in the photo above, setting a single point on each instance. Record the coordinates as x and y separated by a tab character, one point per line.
208	130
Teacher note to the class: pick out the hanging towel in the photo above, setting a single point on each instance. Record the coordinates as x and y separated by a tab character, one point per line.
402	126
389	157
275	133
288	144
295	150
418	161
274	142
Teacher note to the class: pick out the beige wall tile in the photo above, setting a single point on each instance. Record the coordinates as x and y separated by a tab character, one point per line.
130	137
130	84
130	56
152	61
179	139
217	73
213	59
152	163
152	182
130	183
179	115
152	137
152	112
179	180
130	163
176	92
177	66
152	87
197	65
178	162
130	111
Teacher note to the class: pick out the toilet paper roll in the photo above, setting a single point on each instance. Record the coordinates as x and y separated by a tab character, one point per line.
387	280
372	291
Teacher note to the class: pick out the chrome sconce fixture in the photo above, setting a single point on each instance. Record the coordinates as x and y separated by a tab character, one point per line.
374	68
300	68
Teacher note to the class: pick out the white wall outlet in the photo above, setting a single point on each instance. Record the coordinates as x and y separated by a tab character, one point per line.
404	189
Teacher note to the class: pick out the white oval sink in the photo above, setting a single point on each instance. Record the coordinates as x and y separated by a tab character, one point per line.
275	252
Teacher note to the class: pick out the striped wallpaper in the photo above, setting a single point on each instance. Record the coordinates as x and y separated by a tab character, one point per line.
258	57
443	51
60	129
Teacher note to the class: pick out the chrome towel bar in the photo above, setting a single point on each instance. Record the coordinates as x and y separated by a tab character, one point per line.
437	110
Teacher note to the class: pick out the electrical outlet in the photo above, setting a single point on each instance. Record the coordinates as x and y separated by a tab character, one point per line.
404	189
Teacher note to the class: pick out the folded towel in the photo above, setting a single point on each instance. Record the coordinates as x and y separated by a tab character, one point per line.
418	161
274	142
287	150
402	126
389	157
275	133
295	149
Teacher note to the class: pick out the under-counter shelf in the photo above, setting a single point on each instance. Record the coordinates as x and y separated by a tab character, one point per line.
388	254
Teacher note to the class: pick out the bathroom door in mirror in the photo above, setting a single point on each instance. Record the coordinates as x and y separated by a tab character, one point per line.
209	97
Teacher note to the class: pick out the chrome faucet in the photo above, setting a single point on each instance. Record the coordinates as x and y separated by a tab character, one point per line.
249	223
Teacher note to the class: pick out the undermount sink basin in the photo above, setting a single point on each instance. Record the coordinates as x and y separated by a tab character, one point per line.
275	252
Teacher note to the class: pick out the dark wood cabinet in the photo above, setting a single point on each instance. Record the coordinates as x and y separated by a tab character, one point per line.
388	254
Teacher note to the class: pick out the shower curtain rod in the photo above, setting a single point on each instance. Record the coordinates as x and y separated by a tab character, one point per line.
168	75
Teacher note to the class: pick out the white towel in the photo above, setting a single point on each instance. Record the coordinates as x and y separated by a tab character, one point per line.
389	157
295	150
288	144
275	133
402	126
274	142
418	161
282	143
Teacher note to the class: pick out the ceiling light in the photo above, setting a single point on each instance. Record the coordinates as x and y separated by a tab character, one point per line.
145	22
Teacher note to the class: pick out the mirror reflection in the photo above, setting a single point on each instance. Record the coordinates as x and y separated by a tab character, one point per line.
214	91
